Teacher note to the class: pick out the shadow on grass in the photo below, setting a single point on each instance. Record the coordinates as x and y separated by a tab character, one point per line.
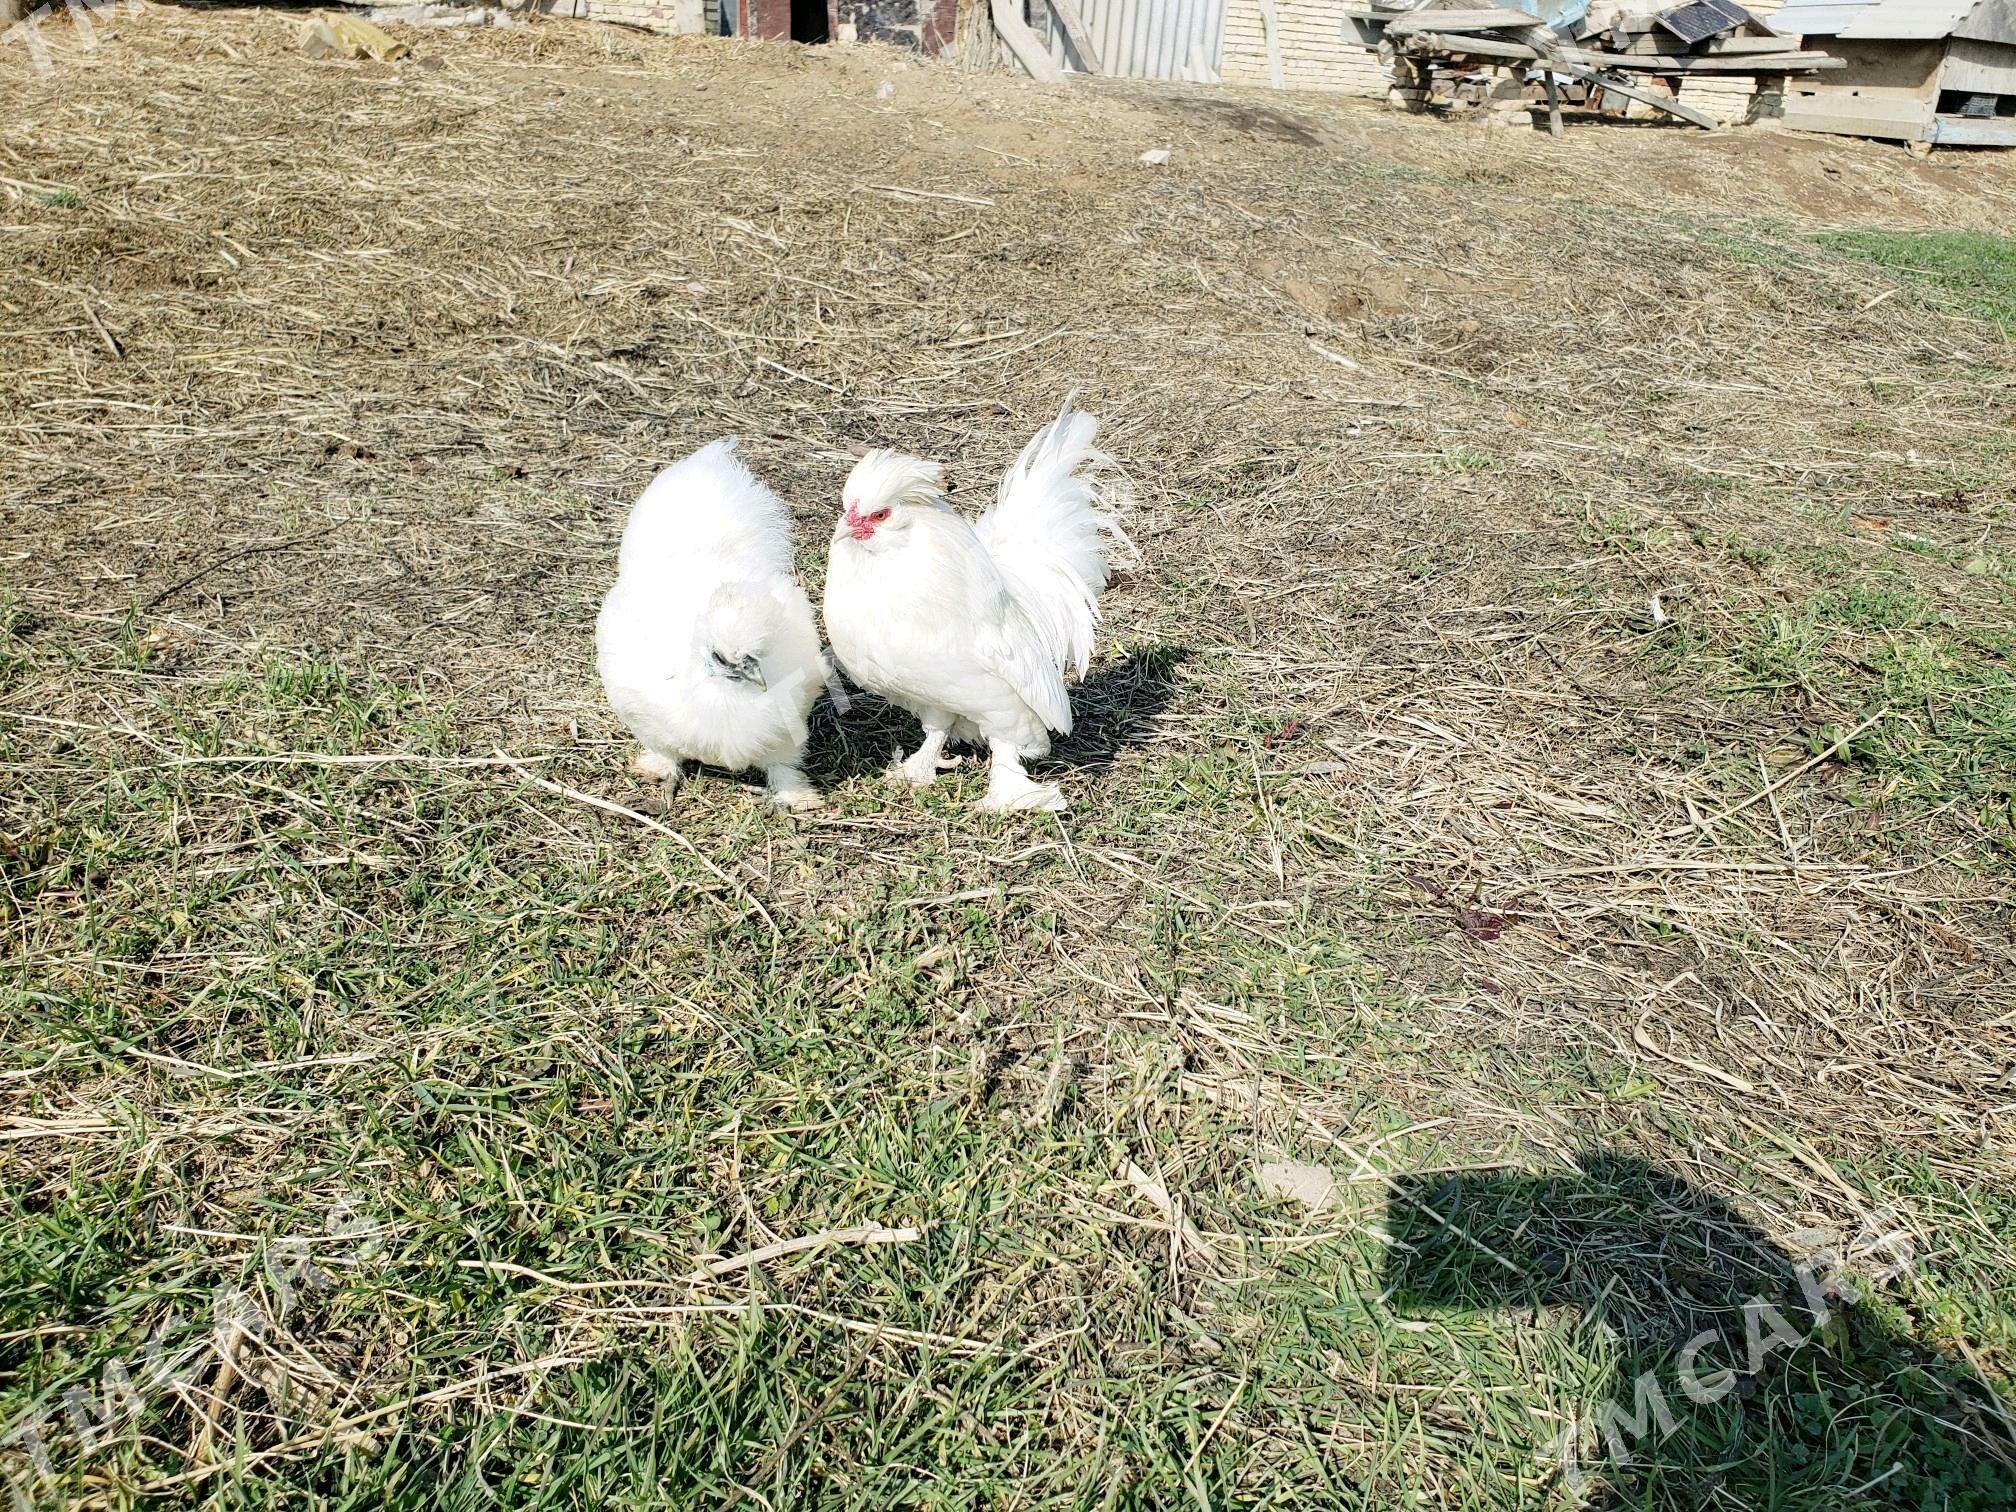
1115	706
1745	1376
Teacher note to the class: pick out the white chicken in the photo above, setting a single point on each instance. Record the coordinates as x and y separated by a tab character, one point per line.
706	644
972	626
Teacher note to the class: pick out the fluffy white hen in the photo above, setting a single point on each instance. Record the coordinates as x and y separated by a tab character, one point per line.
706	644
972	625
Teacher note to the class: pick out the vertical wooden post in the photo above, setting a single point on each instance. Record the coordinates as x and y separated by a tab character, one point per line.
1553	105
1270	23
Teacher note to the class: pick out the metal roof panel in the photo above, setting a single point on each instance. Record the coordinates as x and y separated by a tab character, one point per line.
1874	20
1901	19
1816	18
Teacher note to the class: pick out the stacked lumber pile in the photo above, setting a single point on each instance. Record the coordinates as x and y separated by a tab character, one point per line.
1445	54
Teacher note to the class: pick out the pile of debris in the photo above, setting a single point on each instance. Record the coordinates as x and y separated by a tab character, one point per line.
1445	55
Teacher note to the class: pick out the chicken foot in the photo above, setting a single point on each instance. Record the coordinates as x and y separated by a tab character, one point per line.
922	766
1009	787
653	766
789	788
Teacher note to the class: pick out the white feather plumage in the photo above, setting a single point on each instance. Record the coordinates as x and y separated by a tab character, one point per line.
1054	531
706	644
973	626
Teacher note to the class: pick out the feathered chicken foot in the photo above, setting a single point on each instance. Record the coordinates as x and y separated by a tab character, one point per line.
789	788
654	767
922	766
1009	787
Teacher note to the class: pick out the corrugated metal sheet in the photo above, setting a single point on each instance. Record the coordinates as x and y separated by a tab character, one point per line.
1149	39
1874	20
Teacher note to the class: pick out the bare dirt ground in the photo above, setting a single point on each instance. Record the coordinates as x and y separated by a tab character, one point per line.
1563	733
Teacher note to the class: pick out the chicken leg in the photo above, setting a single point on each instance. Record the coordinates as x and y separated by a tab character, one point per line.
1009	787
922	766
653	766
789	789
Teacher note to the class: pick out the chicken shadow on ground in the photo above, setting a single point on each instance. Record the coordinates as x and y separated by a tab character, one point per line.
1257	122
1743	1375
1114	706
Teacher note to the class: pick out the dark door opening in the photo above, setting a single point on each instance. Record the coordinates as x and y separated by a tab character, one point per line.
808	21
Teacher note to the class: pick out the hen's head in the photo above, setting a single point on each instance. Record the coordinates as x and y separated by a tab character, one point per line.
735	632
882	495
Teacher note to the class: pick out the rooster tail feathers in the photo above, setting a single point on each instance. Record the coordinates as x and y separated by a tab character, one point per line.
1055	532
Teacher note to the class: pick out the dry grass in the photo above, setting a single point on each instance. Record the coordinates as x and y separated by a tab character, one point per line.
1405	839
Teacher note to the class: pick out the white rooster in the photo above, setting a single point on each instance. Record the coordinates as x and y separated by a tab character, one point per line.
706	644
972	626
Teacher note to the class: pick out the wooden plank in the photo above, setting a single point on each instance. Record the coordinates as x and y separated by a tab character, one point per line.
1798	62
1497	47
1726	46
1665	44
1979	67
1884	128
1661	44
1962	132
1478	47
1485	47
1066	12
1671	106
1490	18
1553	106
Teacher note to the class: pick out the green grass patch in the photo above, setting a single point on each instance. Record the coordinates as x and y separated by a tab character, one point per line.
421	1038
1849	651
1976	270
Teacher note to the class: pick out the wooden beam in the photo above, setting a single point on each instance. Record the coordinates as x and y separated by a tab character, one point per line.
1666	103
1477	47
1665	44
1495	47
1789	62
1724	46
1490	18
1966	132
1067	15
1880	128
1519	52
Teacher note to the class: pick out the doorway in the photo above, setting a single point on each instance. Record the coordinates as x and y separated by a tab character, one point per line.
809	21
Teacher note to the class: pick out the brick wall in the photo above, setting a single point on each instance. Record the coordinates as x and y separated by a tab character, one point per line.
1726	99
1319	48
